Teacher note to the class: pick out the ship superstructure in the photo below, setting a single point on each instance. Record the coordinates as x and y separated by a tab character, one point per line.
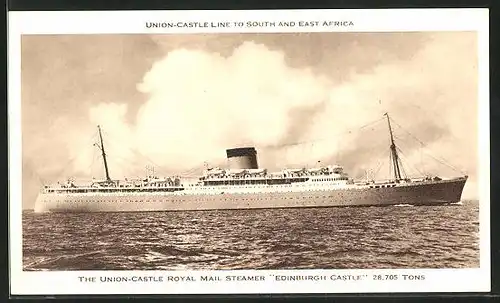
243	185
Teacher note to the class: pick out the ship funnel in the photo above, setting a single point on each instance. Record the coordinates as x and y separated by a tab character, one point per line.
242	158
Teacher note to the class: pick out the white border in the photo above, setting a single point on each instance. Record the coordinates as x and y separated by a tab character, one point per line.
436	280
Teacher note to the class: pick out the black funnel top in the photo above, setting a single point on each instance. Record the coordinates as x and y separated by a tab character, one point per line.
241	152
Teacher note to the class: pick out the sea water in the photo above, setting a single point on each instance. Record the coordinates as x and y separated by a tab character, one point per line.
314	238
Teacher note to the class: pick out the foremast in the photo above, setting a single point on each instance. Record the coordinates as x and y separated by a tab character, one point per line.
101	147
394	152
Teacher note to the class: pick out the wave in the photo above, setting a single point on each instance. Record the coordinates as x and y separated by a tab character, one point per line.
278	239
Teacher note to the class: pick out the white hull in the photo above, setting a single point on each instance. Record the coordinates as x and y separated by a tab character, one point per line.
432	192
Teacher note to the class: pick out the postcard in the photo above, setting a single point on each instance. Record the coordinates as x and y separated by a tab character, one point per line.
226	152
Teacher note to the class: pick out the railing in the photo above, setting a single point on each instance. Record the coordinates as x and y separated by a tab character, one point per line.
111	189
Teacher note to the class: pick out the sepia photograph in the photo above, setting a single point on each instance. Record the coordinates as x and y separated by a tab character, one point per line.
250	151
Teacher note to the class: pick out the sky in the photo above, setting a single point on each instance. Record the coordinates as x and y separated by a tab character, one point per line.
176	102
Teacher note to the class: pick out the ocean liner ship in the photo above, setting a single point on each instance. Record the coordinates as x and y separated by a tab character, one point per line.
243	185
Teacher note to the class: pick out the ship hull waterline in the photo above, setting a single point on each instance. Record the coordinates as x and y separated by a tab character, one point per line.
428	193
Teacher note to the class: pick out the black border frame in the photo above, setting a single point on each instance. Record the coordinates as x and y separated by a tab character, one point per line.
494	51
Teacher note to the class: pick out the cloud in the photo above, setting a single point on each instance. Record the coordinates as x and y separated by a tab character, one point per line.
202	103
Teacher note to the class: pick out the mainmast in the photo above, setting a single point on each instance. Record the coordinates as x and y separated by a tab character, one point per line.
104	155
394	152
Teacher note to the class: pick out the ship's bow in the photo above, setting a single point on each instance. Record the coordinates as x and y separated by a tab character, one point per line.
449	191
